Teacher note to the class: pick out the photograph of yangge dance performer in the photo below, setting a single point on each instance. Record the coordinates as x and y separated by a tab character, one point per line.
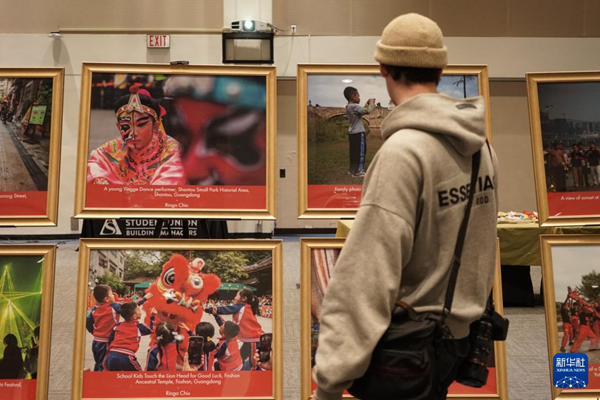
196	141
151	129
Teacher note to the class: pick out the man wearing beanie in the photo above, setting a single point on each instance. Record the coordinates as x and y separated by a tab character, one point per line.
415	193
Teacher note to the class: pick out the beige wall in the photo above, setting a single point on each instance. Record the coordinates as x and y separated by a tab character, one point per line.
467	18
35	16
512	142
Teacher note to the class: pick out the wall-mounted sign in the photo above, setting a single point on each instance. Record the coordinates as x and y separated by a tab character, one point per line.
158	41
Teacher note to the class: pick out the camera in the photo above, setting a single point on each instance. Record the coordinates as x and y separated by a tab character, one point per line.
490	327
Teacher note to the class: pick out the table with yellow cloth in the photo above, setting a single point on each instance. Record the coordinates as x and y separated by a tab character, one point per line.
519	242
519	246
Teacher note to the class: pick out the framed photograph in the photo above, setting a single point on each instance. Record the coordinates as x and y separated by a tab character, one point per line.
334	156
31	102
175	141
565	133
572	298
318	258
176	318
26	296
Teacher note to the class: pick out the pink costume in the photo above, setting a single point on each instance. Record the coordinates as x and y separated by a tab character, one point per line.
158	163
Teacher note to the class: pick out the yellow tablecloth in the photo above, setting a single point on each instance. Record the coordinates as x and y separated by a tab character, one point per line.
519	242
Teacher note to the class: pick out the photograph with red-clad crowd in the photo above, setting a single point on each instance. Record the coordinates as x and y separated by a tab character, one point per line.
195	316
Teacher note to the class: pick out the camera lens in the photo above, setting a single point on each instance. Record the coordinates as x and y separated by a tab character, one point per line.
473	371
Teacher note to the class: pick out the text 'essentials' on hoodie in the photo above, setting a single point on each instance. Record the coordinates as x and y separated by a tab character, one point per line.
403	238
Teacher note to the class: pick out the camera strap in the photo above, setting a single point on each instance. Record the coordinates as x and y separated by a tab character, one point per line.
460	241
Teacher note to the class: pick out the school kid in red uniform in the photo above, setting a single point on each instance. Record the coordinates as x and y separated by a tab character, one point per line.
207	331
101	320
162	356
244	315
228	350
124	341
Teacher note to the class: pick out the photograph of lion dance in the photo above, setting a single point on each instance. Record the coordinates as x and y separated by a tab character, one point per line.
579	322
143	307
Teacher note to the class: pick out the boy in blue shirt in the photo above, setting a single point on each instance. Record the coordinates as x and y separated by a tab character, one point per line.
356	130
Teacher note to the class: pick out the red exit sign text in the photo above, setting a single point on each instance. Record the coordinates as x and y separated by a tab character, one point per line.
158	41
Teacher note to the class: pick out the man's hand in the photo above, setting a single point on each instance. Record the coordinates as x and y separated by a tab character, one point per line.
148	296
153	312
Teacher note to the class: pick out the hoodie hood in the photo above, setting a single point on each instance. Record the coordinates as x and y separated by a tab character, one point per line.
461	121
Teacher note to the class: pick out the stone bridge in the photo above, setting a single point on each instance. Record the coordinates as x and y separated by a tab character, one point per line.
373	120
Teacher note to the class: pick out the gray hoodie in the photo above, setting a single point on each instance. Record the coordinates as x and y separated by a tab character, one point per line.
403	238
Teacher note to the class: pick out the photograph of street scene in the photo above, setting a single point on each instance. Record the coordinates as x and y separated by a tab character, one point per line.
25	127
20	315
570	124
173	298
339	153
151	129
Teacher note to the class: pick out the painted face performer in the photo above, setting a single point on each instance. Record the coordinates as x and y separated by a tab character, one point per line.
144	154
225	122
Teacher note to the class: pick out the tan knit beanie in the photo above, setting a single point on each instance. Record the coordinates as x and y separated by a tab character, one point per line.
412	40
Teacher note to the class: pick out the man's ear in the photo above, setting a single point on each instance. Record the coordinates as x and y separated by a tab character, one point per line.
383	71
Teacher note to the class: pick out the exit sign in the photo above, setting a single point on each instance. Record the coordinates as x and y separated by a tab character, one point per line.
158	41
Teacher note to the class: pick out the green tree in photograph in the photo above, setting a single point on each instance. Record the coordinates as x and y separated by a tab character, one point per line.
227	265
590	287
114	282
256	256
141	264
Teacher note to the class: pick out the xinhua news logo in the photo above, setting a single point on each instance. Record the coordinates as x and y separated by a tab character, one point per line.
571	371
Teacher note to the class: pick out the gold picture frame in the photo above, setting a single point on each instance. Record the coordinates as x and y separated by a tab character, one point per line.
549	275
89	245
558	206
181	209
308	244
35	197
48	254
305	211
